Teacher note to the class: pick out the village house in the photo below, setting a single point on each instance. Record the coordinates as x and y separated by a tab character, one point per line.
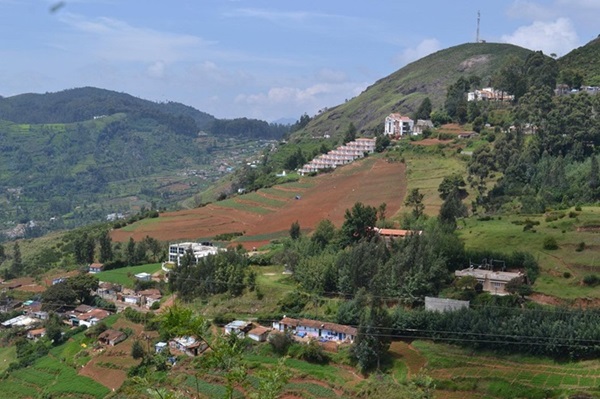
130	297
422	125
238	327
149	297
96	268
20	321
492	282
489	94
199	251
9	304
259	334
108	290
389	234
398	125
190	346
143	276
84	315
111	337
324	331
36	334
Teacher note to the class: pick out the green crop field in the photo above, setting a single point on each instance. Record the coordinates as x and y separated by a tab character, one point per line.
234	204
262	200
458	369
7	355
125	275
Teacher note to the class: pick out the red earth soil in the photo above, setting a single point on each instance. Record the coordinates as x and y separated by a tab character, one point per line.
371	181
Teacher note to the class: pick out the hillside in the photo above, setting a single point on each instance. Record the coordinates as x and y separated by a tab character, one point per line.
585	60
404	90
74	157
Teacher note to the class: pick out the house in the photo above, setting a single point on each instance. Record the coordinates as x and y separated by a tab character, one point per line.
492	282
111	337
130	297
396	233
398	125
8	305
88	318
316	329
444	304
36	333
188	345
238	327
143	276
96	268
108	290
199	251
422	125
159	347
467	135
259	334
20	321
58	280
342	155
489	94
150	296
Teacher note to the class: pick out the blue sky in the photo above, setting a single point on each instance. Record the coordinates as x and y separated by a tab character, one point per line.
259	59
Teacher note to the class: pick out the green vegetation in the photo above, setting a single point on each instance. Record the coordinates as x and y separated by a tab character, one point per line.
125	275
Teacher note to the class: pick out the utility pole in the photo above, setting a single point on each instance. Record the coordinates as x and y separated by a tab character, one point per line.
478	19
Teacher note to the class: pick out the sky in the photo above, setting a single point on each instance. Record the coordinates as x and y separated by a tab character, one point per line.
265	59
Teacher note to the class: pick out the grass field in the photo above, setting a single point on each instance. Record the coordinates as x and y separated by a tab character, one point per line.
7	355
233	203
506	234
125	275
426	169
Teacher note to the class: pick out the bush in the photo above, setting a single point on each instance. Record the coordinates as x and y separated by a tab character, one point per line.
591	280
280	342
313	352
580	247
578	208
550	243
155	306
567	274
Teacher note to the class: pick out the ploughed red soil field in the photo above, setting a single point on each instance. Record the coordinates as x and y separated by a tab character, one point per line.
371	181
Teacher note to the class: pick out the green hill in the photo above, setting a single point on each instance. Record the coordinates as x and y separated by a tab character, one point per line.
73	157
585	60
404	90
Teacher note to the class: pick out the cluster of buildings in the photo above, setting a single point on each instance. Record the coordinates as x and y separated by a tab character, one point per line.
340	156
397	125
489	94
563	90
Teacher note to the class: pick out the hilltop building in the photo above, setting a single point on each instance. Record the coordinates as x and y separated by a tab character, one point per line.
199	251
489	94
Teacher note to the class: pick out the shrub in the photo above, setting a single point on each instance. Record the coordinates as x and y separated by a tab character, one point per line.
312	352
155	306
567	274
280	342
580	247
550	243
578	208
573	214
591	280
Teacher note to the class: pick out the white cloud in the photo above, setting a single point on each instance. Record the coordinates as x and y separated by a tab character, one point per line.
424	48
116	40
157	69
531	10
584	4
557	37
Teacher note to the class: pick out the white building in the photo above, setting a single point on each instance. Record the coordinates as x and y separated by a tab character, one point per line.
199	251
398	125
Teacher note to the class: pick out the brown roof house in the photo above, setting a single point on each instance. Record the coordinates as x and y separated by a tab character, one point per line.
96	268
259	334
111	337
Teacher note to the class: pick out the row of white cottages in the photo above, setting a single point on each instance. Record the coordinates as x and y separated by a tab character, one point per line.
340	156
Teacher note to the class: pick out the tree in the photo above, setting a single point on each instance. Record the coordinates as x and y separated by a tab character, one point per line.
89	250
106	253
350	134
58	296
324	233
295	230
450	183
53	328
16	267
83	285
373	339
424	110
137	350
130	252
359	223
451	209
382	142
519	287
415	200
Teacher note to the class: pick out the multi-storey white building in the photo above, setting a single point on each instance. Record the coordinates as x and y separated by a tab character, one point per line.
176	251
340	156
398	125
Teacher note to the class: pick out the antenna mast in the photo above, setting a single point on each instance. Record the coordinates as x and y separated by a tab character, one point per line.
478	19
